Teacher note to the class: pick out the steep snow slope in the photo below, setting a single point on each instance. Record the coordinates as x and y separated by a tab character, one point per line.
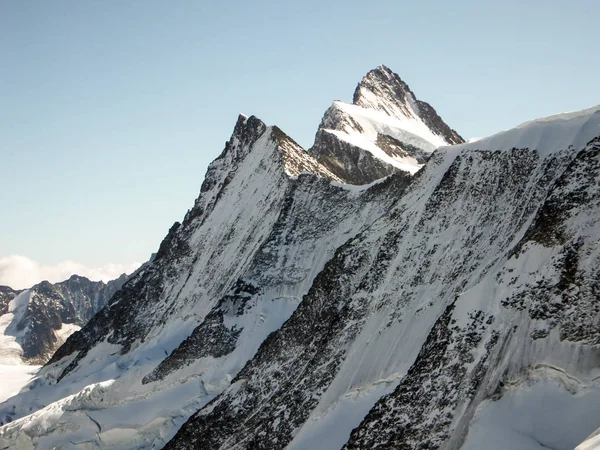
541	302
316	218
383	90
591	443
481	277
386	129
221	282
410	313
232	273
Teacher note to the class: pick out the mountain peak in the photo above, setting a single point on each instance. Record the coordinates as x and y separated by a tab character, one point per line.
383	90
296	160
384	130
248	128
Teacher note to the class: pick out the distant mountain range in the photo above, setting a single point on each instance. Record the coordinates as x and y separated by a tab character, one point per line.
43	316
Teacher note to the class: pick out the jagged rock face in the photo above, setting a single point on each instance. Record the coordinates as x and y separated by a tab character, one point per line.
555	310
88	297
197	248
46	311
296	161
385	130
350	162
6	295
463	288
181	258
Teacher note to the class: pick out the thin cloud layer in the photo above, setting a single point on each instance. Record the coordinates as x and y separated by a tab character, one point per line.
20	272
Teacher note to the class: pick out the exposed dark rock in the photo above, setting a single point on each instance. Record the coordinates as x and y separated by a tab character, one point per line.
296	365
349	162
6	295
380	90
284	295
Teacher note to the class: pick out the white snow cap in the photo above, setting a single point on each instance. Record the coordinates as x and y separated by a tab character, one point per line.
546	135
384	105
383	90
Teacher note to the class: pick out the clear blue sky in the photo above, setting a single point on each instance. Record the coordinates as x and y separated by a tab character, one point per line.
110	111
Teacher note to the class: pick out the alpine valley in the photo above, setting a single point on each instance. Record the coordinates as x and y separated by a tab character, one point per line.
392	287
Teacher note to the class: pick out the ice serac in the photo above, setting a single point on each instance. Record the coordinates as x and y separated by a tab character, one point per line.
384	130
268	218
444	321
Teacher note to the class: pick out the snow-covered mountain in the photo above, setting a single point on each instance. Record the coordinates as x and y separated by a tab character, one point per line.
384	130
293	309
268	218
35	322
475	295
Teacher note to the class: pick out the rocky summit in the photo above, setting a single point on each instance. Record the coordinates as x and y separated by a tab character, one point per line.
391	287
385	130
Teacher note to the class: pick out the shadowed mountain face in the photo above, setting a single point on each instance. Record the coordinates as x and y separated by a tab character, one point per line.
296	307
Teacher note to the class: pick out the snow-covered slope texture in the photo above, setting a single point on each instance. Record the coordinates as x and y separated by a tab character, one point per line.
591	443
542	342
478	290
177	333
384	130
